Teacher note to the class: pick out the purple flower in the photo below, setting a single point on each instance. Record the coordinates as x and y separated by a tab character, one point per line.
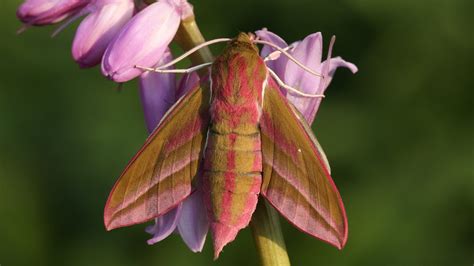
189	219
144	39
96	31
308	52
266	50
157	92
42	12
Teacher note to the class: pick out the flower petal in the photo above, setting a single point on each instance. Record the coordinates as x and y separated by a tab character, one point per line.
157	93
184	8
313	104
193	224
306	105
269	36
43	12
308	52
335	63
97	30
278	65
328	70
142	42
164	225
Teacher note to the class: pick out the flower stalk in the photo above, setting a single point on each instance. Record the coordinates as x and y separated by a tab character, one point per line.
265	222
268	237
189	36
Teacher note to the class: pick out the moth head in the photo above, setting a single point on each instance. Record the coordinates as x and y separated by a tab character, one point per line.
244	42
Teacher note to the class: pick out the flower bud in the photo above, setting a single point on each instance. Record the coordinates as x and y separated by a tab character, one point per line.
97	30
141	42
43	12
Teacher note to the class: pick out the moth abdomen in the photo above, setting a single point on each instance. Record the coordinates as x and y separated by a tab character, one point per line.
232	179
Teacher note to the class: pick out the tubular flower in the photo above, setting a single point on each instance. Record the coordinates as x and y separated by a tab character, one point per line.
43	12
309	52
144	39
105	19
189	219
158	92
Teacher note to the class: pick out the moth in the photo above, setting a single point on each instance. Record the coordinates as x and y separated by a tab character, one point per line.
239	140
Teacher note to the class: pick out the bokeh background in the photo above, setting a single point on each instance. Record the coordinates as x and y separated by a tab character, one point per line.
399	136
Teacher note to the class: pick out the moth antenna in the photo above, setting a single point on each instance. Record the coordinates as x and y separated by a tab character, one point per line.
291	89
204	44
289	57
174	71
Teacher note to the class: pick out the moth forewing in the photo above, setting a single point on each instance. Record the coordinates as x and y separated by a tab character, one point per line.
296	180
159	176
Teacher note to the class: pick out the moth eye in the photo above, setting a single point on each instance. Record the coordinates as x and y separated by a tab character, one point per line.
299	150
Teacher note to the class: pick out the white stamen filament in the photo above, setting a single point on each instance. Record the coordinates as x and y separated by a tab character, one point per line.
291	89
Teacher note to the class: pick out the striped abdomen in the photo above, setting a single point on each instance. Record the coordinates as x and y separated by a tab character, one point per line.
232	180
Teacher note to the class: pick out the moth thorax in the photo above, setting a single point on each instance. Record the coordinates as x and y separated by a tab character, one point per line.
230	118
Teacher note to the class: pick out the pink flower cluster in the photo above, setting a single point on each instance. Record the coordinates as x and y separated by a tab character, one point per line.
117	35
113	32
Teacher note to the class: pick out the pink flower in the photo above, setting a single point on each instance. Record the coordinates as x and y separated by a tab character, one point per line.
189	219
42	12
308	52
144	39
95	32
158	93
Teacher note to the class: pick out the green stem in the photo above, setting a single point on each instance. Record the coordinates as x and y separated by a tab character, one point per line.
189	36
268	237
265	223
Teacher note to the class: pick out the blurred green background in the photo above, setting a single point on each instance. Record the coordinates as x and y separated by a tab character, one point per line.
399	135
